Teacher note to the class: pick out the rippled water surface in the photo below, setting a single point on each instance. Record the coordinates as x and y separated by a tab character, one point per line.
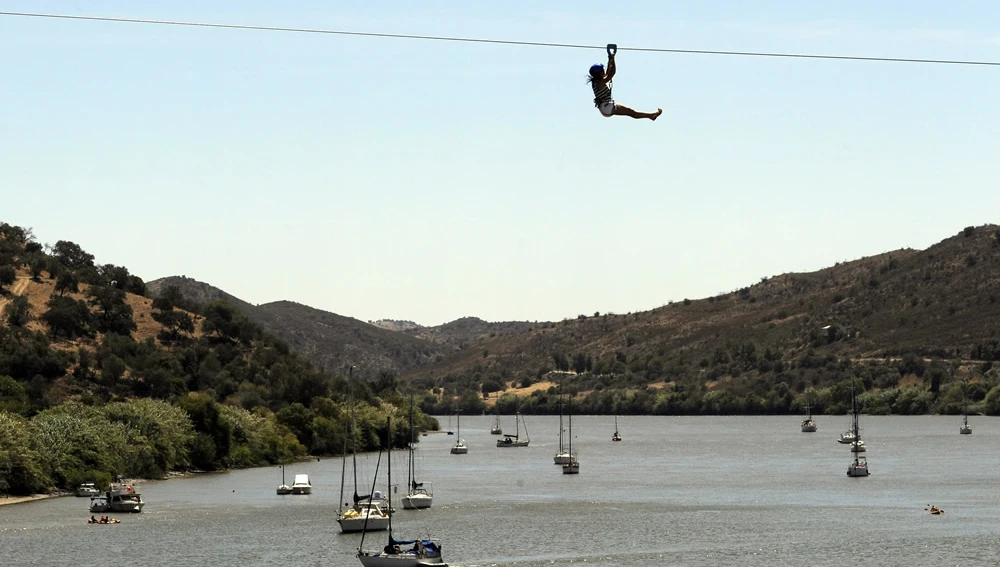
676	491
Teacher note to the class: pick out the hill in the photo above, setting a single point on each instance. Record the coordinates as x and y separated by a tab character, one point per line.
328	340
886	319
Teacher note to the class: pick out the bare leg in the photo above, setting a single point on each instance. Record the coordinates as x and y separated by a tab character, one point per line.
623	110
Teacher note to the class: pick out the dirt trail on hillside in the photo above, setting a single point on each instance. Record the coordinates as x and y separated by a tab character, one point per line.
17	289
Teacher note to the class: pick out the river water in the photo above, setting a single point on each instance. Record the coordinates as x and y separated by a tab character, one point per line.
675	491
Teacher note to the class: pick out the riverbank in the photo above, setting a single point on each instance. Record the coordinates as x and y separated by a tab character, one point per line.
4	500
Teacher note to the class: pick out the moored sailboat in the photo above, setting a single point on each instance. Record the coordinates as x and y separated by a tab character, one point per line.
859	467
573	465
366	513
616	436
808	424
562	456
460	448
418	494
397	552
515	439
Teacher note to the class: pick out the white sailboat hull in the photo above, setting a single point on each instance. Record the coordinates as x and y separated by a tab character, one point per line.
562	458
459	449
808	426
417	501
965	430
377	521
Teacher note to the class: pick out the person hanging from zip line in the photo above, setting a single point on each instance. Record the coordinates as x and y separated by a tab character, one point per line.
600	81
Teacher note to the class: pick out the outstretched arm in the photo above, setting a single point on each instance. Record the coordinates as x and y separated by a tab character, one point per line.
611	68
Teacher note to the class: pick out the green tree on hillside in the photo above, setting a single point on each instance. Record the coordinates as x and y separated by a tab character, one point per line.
113	315
67	281
17	313
71	255
7	277
67	317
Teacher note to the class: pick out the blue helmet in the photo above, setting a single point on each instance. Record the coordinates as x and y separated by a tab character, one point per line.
597	71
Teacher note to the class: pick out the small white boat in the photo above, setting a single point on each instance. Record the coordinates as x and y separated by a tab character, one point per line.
966	429
420	495
858	468
283	488
460	448
366	516
87	489
616	436
573	465
301	484
808	425
562	456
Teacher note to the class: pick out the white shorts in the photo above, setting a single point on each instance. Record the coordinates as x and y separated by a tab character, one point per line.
607	108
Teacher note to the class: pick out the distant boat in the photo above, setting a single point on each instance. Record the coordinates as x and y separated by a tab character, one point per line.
562	456
496	429
460	447
87	489
283	488
573	465
808	425
302	484
515	439
418	494
424	551
859	467
966	429
120	497
366	513
616	436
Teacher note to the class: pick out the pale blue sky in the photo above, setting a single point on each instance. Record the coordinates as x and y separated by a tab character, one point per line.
425	180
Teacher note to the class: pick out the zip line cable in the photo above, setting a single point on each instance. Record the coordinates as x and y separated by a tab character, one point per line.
499	41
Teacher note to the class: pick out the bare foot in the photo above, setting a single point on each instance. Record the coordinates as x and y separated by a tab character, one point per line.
656	114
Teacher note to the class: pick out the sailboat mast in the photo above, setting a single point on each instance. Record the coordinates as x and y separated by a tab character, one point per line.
388	464
409	470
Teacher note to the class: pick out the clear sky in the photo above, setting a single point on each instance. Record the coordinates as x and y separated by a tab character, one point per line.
427	180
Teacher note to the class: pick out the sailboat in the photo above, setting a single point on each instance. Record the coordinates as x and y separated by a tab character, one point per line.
460	447
496	429
573	465
367	512
562	456
422	552
859	467
616	436
419	494
284	488
808	425
515	439
966	429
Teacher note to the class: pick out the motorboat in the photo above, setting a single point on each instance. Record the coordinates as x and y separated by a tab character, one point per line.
301	484
120	497
87	489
